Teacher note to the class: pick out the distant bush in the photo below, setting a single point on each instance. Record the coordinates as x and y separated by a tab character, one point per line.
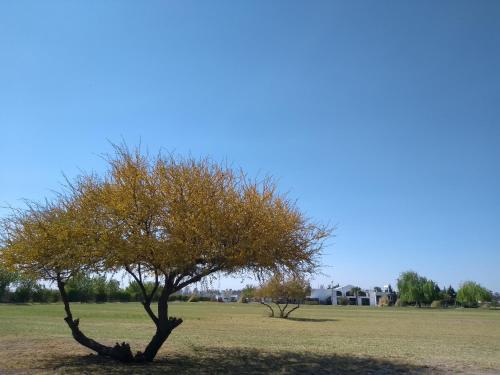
383	301
311	301
41	294
121	296
193	298
23	292
437	304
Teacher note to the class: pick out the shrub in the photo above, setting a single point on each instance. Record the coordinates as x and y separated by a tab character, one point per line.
121	296
193	298
383	301
437	304
41	294
54	296
24	291
311	301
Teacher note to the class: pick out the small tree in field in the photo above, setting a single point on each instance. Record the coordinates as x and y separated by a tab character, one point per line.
165	221
282	292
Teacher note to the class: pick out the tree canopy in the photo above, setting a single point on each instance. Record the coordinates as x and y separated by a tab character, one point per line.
417	289
470	294
167	220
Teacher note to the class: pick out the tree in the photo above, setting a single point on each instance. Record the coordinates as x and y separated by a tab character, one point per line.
430	291
410	286
82	288
281	290
452	295
165	220
25	288
247	293
6	279
448	296
114	291
470	294
377	289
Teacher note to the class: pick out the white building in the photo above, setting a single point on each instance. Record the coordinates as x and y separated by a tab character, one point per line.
340	294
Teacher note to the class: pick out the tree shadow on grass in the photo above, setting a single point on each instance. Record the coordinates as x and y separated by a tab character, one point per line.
236	361
312	320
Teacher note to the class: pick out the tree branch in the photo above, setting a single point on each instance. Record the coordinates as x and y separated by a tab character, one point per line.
120	352
147	298
289	312
270	308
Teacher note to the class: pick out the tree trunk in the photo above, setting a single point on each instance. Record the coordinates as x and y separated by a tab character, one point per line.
120	352
163	330
291	310
164	327
270	308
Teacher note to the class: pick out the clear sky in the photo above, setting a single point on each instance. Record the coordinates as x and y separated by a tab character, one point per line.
379	117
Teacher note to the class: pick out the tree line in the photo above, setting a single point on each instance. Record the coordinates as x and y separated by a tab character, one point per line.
81	288
417	290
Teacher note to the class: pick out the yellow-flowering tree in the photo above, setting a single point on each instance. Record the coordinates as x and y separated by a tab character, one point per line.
283	292
163	219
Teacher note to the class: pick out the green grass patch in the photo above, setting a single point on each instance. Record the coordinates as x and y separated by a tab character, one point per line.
240	338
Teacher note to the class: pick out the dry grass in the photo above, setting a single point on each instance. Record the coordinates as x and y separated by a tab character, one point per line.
238	338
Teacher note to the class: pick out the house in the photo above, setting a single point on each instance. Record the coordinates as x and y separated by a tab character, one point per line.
387	291
344	295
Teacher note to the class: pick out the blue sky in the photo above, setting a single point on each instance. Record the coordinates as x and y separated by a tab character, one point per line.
379	117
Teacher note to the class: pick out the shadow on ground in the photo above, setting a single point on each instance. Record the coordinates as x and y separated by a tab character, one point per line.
230	361
312	320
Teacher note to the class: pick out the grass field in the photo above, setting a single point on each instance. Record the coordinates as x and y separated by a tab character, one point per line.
240	338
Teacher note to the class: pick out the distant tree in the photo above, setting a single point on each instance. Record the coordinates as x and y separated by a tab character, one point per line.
495	299
247	293
25	288
113	290
452	295
81	288
377	289
410	286
430	291
7	278
470	294
136	293
283	291
42	294
448	296
100	286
